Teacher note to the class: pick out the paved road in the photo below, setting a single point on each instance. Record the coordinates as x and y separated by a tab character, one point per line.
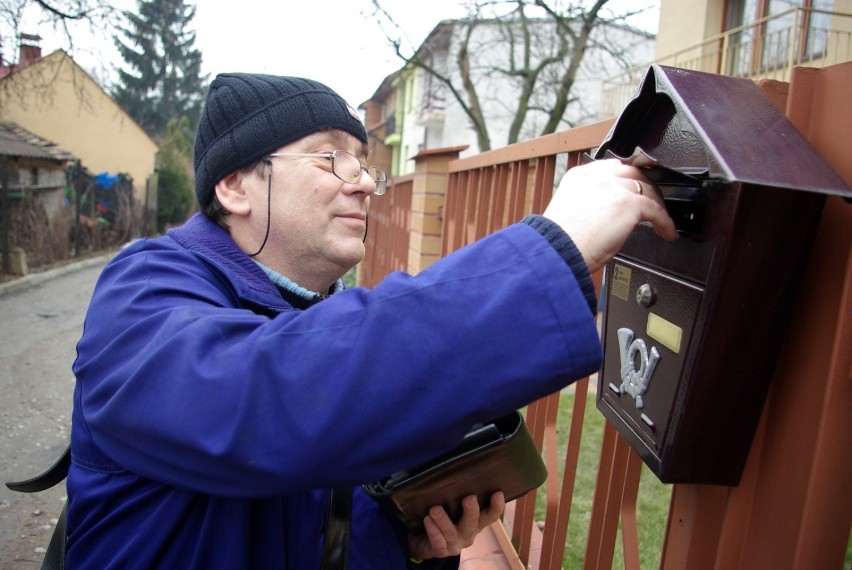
41	318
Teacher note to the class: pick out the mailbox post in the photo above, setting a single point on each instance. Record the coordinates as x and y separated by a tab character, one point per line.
692	329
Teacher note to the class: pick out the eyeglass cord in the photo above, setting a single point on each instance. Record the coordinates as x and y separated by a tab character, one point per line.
268	205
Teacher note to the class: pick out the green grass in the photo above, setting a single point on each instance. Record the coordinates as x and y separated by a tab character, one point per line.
349	278
652	504
847	565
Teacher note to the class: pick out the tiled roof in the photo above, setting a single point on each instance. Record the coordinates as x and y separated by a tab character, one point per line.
15	141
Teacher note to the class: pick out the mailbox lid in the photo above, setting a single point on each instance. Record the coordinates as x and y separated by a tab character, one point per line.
722	126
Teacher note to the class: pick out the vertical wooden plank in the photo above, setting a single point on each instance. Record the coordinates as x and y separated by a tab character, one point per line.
629	530
518	189
538	182
401	205
525	508
696	515
484	204
829	499
543	185
456	210
470	207
448	213
552	485
799	514
556	531
498	202
522	529
603	525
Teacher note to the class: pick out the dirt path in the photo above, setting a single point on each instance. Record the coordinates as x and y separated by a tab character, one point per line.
41	320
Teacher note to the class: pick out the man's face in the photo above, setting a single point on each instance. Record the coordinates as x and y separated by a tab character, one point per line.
318	221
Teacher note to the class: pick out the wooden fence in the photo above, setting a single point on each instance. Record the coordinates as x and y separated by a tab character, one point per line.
793	507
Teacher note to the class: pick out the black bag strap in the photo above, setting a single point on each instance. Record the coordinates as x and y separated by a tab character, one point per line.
54	558
53	476
335	550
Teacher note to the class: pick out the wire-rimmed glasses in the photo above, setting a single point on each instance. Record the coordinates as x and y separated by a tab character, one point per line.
345	166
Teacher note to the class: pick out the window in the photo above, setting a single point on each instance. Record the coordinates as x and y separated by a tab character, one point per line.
767	43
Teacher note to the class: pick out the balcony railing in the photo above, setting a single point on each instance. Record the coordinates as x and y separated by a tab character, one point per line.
766	48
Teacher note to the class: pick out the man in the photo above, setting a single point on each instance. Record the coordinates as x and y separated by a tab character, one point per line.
226	383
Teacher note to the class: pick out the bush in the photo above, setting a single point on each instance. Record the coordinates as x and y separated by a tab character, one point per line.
174	195
175	192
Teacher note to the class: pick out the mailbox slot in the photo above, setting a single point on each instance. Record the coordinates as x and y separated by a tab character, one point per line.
686	198
685	205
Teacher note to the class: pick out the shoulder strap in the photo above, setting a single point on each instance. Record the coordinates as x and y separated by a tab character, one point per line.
53	476
54	558
335	550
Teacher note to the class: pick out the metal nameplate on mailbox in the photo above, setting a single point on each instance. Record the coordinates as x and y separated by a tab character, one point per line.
652	335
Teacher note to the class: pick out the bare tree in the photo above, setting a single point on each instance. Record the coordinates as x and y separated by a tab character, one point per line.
58	14
523	57
19	44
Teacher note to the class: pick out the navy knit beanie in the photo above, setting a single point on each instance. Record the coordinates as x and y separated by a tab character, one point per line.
247	116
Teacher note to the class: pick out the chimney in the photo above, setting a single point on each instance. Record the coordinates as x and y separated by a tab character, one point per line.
30	49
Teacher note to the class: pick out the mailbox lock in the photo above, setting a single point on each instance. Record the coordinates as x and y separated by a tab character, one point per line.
645	295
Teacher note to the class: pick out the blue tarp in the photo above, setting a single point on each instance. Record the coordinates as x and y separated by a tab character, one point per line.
106	180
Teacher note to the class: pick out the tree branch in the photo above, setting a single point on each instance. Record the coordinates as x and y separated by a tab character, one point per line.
82	14
518	58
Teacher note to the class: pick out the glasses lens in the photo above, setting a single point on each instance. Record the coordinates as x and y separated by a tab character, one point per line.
346	166
380	177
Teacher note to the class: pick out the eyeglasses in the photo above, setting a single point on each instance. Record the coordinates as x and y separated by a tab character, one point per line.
345	166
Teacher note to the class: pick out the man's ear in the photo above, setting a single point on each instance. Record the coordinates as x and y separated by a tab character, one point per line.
232	194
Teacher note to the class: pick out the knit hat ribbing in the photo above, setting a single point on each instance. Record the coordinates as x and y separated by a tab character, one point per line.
247	116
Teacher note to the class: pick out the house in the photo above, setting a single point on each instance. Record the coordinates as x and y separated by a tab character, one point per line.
55	98
754	38
759	40
413	110
33	176
380	114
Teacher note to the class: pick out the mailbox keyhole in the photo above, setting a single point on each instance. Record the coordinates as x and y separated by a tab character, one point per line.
645	295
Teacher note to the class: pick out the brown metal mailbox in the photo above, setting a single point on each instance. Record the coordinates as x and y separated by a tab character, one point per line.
692	329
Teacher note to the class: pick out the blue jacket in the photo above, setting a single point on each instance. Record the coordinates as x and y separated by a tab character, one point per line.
211	417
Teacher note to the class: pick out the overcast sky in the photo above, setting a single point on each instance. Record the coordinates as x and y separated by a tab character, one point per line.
333	41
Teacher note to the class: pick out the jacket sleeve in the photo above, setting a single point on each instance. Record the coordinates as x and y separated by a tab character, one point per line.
178	384
564	245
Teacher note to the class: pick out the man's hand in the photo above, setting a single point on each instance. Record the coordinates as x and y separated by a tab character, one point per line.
598	205
443	538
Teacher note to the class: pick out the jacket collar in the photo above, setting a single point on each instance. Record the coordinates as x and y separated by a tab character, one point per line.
209	241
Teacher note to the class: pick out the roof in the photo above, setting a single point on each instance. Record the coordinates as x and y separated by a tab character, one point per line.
385	87
16	141
60	54
721	127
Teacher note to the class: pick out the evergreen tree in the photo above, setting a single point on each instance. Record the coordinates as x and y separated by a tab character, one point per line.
162	80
